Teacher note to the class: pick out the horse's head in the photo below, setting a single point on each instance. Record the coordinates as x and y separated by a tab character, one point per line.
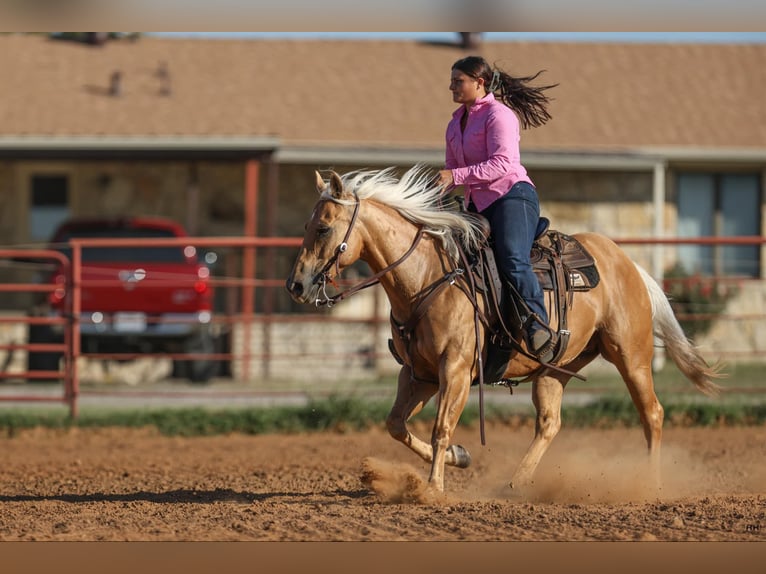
328	244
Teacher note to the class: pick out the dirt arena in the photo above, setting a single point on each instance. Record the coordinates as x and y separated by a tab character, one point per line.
136	485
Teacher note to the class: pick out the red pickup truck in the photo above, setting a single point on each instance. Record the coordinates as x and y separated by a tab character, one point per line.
133	299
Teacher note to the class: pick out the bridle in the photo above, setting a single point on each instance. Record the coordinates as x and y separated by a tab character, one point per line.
323	277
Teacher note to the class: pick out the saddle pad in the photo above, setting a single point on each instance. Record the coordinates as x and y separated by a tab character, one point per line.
577	262
579	279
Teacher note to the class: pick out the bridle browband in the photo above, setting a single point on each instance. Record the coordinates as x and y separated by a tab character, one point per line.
322	277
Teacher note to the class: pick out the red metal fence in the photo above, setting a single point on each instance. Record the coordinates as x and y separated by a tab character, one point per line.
253	304
69	395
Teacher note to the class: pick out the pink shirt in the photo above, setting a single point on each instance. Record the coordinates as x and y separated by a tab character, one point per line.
485	158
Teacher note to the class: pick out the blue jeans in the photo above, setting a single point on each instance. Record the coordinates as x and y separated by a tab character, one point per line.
513	220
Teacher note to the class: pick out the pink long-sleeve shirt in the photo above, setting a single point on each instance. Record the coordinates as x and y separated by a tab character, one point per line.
485	158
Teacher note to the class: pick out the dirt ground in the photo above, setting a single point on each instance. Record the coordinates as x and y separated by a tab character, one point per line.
136	485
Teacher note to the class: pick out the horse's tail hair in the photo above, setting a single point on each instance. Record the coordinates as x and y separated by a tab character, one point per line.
678	347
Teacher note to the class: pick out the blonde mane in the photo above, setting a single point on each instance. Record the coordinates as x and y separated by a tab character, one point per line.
417	198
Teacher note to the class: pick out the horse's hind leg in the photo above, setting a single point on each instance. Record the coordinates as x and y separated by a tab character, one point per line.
652	415
635	367
641	387
547	393
411	397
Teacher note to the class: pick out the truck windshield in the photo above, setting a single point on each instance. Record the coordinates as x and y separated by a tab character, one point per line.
164	254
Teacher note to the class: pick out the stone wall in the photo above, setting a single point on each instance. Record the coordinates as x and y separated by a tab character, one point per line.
743	332
317	350
323	350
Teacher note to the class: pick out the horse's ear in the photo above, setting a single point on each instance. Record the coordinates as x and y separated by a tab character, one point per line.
321	185
336	185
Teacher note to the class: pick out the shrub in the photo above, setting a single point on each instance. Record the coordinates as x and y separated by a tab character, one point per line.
697	300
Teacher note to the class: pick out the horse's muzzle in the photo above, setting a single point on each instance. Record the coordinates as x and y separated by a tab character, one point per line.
301	291
295	288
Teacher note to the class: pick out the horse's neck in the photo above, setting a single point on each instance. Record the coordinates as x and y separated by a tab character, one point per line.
389	237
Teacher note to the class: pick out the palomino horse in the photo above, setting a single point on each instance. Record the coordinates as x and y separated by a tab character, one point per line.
398	227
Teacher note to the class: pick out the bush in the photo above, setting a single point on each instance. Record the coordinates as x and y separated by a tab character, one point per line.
697	300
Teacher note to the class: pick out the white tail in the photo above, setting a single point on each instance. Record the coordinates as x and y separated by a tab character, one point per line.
681	351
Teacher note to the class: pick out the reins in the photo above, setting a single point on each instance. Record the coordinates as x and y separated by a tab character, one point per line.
478	317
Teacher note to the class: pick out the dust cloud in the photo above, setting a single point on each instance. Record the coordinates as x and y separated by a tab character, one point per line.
602	472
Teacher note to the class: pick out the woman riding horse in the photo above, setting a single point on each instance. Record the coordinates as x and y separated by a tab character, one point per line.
411	244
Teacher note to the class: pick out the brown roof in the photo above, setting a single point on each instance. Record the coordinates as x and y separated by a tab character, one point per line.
380	93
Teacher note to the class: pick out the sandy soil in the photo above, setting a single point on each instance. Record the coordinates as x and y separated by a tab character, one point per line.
118	484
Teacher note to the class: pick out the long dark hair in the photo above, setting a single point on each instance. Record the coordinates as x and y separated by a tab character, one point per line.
530	103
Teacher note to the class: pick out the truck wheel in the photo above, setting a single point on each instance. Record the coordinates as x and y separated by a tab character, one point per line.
199	370
43	361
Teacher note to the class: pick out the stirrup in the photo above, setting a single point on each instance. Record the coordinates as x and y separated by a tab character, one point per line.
543	350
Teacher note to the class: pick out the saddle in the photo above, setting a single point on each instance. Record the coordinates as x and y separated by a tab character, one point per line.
562	266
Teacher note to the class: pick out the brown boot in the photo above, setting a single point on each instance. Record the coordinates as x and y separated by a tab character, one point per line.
542	343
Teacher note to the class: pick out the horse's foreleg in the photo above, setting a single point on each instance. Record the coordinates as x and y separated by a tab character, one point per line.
411	397
454	388
547	393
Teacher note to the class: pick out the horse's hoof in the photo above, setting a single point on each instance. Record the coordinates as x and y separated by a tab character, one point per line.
461	456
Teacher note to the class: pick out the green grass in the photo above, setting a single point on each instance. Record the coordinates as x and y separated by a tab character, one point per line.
346	414
606	379
613	411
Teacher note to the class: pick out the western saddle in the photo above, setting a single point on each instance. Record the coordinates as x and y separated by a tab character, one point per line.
562	266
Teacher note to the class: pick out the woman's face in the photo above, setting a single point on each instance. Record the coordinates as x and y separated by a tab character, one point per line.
464	88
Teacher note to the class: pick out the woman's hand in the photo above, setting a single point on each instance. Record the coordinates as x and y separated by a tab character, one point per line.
445	179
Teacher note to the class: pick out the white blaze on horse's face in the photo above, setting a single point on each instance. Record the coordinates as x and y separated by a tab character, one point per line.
324	233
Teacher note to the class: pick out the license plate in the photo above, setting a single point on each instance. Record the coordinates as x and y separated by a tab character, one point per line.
129	322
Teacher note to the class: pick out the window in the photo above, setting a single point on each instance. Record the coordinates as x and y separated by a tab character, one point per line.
163	254
48	205
723	205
